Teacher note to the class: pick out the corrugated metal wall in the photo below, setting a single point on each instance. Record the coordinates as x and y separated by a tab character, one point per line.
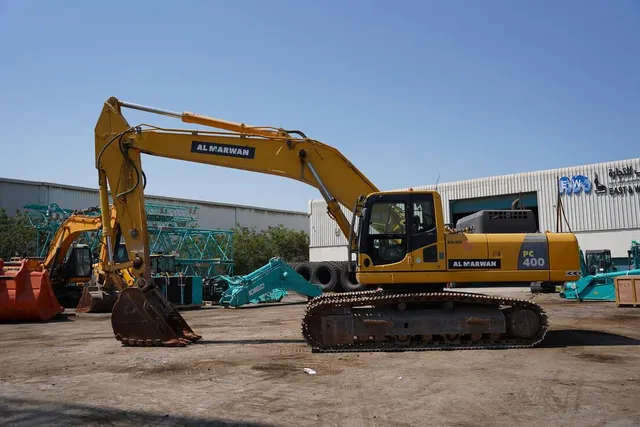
324	231
584	212
14	194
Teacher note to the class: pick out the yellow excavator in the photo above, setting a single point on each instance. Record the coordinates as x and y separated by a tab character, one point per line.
404	252
72	265
39	289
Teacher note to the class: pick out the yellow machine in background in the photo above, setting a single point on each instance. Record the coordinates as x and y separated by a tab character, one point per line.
403	249
99	292
40	289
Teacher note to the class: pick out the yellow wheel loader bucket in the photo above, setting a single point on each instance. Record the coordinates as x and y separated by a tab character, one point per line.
144	317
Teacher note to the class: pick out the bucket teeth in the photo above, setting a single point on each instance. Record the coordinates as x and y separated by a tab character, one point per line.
144	317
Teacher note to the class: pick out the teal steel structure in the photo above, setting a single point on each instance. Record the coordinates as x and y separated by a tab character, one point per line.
198	251
46	219
173	230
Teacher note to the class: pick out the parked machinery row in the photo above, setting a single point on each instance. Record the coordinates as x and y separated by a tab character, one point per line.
406	255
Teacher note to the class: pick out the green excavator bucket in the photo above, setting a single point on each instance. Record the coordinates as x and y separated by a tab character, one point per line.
144	317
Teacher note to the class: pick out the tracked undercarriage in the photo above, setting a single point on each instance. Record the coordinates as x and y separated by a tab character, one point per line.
392	321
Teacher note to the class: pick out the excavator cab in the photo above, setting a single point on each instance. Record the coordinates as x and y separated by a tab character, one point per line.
69	277
399	233
599	261
78	265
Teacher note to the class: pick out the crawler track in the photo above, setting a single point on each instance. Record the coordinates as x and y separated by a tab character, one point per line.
336	304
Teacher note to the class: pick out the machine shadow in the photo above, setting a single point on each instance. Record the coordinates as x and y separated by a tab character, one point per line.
266	305
60	318
251	341
554	339
17	412
582	338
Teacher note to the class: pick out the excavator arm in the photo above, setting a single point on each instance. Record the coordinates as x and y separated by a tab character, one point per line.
67	233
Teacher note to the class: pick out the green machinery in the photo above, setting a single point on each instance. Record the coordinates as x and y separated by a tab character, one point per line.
269	283
181	290
600	286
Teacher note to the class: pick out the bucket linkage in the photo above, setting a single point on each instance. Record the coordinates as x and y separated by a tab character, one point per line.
96	298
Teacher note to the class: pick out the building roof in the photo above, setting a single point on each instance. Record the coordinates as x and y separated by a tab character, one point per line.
478	182
203	202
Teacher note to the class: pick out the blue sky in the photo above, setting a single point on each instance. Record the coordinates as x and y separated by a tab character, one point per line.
407	90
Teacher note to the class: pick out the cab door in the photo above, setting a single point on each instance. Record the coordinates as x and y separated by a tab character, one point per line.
383	239
426	244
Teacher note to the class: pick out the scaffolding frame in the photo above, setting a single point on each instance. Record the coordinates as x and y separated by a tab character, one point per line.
173	229
46	219
198	251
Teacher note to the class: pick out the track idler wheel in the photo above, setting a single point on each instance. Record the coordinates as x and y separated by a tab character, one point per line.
143	316
95	299
522	323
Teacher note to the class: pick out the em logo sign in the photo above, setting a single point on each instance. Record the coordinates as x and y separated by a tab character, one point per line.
575	185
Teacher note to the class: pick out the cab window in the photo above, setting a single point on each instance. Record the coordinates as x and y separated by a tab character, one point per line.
424	219
387	242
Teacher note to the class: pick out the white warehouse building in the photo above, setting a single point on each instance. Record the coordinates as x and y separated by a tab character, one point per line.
16	194
601	204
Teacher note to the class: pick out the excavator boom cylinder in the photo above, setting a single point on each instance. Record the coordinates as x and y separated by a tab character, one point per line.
150	109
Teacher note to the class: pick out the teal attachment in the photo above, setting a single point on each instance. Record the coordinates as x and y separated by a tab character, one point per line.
269	283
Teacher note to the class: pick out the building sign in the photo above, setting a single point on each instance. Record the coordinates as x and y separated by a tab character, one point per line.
622	182
575	185
626	172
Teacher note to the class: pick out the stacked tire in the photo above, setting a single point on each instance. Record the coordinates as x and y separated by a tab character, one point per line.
543	287
332	276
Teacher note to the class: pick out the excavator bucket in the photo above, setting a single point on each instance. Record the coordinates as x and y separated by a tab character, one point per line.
26	293
95	299
144	317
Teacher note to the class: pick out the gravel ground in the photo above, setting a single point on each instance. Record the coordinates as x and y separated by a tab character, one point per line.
249	370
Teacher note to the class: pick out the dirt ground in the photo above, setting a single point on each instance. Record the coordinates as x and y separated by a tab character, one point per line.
249	370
